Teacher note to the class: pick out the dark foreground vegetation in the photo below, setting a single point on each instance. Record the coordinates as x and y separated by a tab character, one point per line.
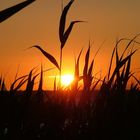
111	112
49	115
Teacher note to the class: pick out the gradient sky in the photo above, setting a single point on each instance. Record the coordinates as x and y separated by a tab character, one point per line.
38	24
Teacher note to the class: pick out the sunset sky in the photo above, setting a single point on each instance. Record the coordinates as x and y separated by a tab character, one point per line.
38	24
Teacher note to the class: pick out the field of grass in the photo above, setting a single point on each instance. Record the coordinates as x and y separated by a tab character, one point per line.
111	111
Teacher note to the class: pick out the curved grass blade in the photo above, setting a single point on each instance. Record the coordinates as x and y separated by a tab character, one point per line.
67	33
86	78
5	14
94	86
122	74
138	81
129	43
54	87
76	73
22	82
0	82
120	64
28	87
33	82
86	61
77	64
99	49
13	84
126	39
128	68
41	81
47	55
63	20
3	86
30	84
111	61
117	62
90	68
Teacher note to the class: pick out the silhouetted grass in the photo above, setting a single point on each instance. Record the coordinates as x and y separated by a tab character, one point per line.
6	13
111	112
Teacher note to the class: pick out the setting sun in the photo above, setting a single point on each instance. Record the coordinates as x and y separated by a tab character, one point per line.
66	79
69	69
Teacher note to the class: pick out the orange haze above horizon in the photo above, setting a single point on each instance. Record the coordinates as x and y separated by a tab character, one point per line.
38	24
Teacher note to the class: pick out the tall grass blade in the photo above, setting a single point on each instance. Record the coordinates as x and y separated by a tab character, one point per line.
138	81
21	83
13	84
90	68
127	46
63	20
41	81
3	86
32	83
86	61
120	64
67	33
76	73
126	76
117	56
123	73
54	87
12	87
77	64
47	55
117	62
94	86
0	82
87	79
28	87
111	61
5	14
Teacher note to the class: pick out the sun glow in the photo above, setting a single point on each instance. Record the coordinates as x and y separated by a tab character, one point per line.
67	79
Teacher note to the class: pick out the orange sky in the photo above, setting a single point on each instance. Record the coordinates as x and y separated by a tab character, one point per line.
38	24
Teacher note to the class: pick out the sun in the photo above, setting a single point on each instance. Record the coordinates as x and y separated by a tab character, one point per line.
67	79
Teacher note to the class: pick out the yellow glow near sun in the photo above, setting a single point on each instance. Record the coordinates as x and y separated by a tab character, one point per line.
67	79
